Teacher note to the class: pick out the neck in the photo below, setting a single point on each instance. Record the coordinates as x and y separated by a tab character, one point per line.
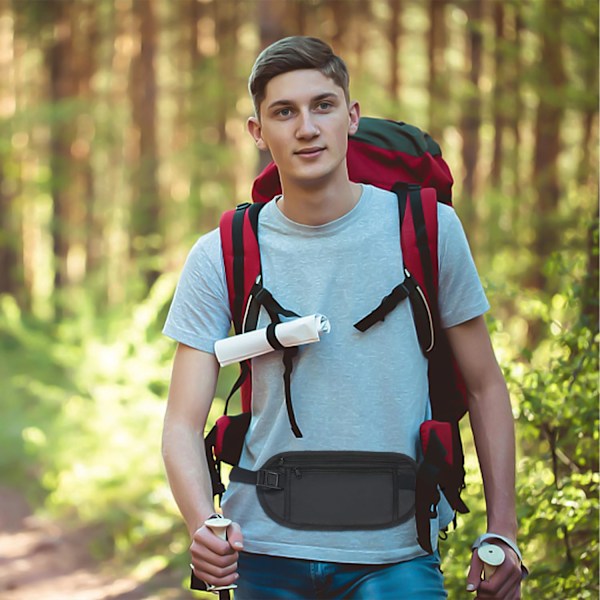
316	204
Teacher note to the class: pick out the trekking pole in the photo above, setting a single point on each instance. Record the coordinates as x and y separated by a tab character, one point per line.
492	557
219	525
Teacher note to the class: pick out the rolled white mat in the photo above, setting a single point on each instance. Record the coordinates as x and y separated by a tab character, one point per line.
304	330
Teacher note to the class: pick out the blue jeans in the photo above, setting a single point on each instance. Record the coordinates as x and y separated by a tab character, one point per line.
265	577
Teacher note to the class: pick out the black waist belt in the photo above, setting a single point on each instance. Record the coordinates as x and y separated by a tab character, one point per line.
335	490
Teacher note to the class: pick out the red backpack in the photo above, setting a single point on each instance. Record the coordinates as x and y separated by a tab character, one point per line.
401	158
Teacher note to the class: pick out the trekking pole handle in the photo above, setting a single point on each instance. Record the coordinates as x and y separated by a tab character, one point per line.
218	525
492	557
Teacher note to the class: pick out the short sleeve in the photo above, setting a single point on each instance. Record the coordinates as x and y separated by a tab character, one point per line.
461	295
199	313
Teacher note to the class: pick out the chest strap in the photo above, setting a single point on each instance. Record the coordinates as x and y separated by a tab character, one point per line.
261	297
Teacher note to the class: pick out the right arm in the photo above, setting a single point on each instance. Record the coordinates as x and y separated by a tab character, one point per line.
193	384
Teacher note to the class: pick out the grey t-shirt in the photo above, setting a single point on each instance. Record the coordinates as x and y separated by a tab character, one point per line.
351	391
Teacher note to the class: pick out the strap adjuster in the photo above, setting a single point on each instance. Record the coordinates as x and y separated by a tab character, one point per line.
268	479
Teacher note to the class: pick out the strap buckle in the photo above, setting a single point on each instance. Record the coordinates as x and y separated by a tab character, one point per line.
268	479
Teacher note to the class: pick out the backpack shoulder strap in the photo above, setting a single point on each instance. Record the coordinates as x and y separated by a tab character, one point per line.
419	237
419	240
241	256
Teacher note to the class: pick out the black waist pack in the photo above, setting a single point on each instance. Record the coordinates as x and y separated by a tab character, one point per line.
335	490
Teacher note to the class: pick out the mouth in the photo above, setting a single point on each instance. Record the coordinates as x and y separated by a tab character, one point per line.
310	151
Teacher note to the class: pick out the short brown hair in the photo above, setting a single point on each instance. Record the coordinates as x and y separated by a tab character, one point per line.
291	54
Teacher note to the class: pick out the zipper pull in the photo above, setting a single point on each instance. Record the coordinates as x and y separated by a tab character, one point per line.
297	473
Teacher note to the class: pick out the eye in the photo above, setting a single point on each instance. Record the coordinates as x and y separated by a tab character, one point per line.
324	105
284	112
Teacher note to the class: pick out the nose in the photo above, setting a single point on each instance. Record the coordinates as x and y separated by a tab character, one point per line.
307	128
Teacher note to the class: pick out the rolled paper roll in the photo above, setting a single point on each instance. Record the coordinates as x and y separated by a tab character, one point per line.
219	525
304	330
492	557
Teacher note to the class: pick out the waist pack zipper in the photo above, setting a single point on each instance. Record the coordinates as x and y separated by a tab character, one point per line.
348	461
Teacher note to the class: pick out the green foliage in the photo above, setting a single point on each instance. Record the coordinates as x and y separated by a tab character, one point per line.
554	388
83	403
557	395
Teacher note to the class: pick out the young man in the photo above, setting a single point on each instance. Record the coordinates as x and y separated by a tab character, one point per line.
330	246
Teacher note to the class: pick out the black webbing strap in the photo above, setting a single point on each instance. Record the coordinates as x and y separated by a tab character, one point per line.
244	372
418	216
288	363
261	478
214	467
275	479
239	258
262	297
253	212
237	237
401	191
388	304
427	493
272	337
422	313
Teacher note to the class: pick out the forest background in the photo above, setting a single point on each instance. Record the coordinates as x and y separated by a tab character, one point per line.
122	139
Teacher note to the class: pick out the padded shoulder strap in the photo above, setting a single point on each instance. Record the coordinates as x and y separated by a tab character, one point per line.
419	236
419	240
241	255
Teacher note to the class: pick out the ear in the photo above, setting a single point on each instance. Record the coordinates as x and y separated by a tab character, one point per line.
354	116
255	130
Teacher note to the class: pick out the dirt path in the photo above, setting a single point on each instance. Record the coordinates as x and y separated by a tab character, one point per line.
40	560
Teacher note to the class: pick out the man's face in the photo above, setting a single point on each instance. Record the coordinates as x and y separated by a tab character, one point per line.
305	122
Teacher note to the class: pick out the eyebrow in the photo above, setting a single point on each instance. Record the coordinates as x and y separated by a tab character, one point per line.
317	98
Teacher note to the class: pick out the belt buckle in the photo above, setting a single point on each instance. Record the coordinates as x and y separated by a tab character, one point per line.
268	479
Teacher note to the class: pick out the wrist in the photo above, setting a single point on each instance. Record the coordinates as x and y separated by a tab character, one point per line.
508	529
199	522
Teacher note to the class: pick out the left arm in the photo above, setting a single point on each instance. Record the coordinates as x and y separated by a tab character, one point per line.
493	431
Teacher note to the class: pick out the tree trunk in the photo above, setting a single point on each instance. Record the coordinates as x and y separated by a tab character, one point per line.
515	110
340	16
60	60
587	166
146	230
395	33
471	119
10	271
11	267
438	88
591	280
499	96
551	77
589	155
226	32
363	15
92	231
301	17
